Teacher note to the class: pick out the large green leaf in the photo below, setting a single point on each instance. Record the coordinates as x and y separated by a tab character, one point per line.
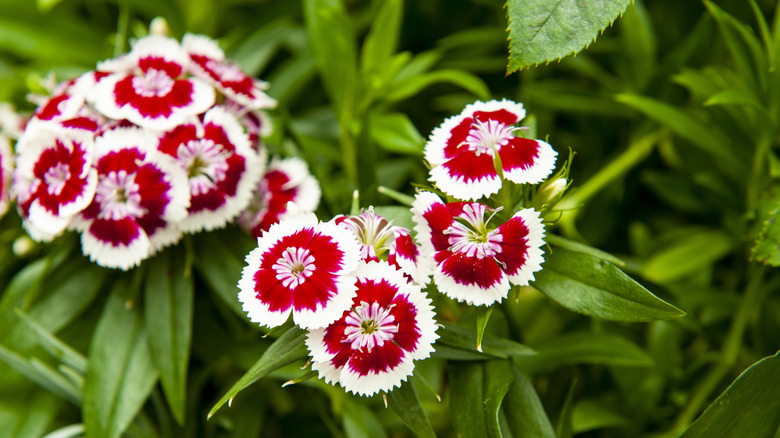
382	39
168	313
289	348
120	374
593	348
592	286
687	256
541	30
404	402
460	343
221	264
524	410
749	407
396	133
476	395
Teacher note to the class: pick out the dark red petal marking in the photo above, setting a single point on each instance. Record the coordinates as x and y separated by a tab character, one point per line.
51	109
514	249
379	359
171	68
120	232
468	271
327	255
504	116
153	189
123	159
470	166
457	138
439	219
519	153
171	140
315	291
271	292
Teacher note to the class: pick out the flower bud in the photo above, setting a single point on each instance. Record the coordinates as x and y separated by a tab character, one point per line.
550	193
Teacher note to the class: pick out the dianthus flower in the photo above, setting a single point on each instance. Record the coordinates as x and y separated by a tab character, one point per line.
140	197
285	181
381	240
221	167
374	344
475	263
300	266
466	150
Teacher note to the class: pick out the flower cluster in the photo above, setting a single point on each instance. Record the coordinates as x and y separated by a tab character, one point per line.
161	141
355	282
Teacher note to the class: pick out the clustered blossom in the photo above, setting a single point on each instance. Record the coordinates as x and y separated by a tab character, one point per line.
161	141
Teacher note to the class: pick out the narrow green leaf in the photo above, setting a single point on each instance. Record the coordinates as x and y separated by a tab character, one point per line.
687	256
498	378
404	402
459	343
120	375
592	348
571	245
592	286
42	374
382	39
734	96
360	422
466	397
394	132
221	265
405	88
483	317
749	407
543	31
593	415
53	345
169	296
290	347
524	410
707	138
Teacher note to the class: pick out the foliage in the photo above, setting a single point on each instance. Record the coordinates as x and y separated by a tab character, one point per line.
673	114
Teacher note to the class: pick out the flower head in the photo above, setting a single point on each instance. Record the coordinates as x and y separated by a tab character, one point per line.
465	150
381	240
284	181
374	344
476	262
300	266
140	197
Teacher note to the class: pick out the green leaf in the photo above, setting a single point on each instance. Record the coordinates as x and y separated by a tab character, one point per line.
766	249
592	286
405	88
404	402
360	422
749	407
543	31
53	345
120	375
290	347
687	256
168	307
524	410
394	132
477	396
221	266
400	216
483	317
42	374
459	343
571	245
593	415
592	348
382	39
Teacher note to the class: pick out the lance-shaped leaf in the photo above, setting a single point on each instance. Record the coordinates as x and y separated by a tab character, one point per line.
120	373
404	402
542	31
524	410
168	312
476	397
592	286
289	348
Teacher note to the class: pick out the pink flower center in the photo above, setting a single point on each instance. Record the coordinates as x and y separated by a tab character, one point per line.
369	326
154	83
372	230
226	72
56	177
469	233
294	266
118	196
488	137
205	163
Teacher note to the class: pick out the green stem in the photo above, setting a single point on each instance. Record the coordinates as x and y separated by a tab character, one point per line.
756	178
121	31
754	292
349	151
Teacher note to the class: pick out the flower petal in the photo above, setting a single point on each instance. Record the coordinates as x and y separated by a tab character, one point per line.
527	161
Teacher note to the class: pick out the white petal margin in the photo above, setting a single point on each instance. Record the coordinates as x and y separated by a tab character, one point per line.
179	202
534	240
423	202
373	383
6	169
434	148
195	44
159	46
420	267
107	255
458	187
515	108
471	294
345	280
297	172
541	169
254	163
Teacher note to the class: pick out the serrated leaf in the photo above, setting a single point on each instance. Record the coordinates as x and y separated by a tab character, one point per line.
289	348
766	249
169	297
525	413
749	407
687	256
592	348
543	31
120	374
404	402
592	286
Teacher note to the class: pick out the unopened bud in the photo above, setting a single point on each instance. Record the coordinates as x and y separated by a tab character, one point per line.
159	26
22	246
550	193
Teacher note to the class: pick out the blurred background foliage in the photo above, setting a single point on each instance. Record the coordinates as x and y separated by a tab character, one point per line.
673	117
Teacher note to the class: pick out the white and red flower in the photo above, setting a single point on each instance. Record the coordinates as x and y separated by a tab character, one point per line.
221	166
475	263
209	63
374	344
54	179
141	195
156	94
285	181
381	240
466	150
6	169
300	266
